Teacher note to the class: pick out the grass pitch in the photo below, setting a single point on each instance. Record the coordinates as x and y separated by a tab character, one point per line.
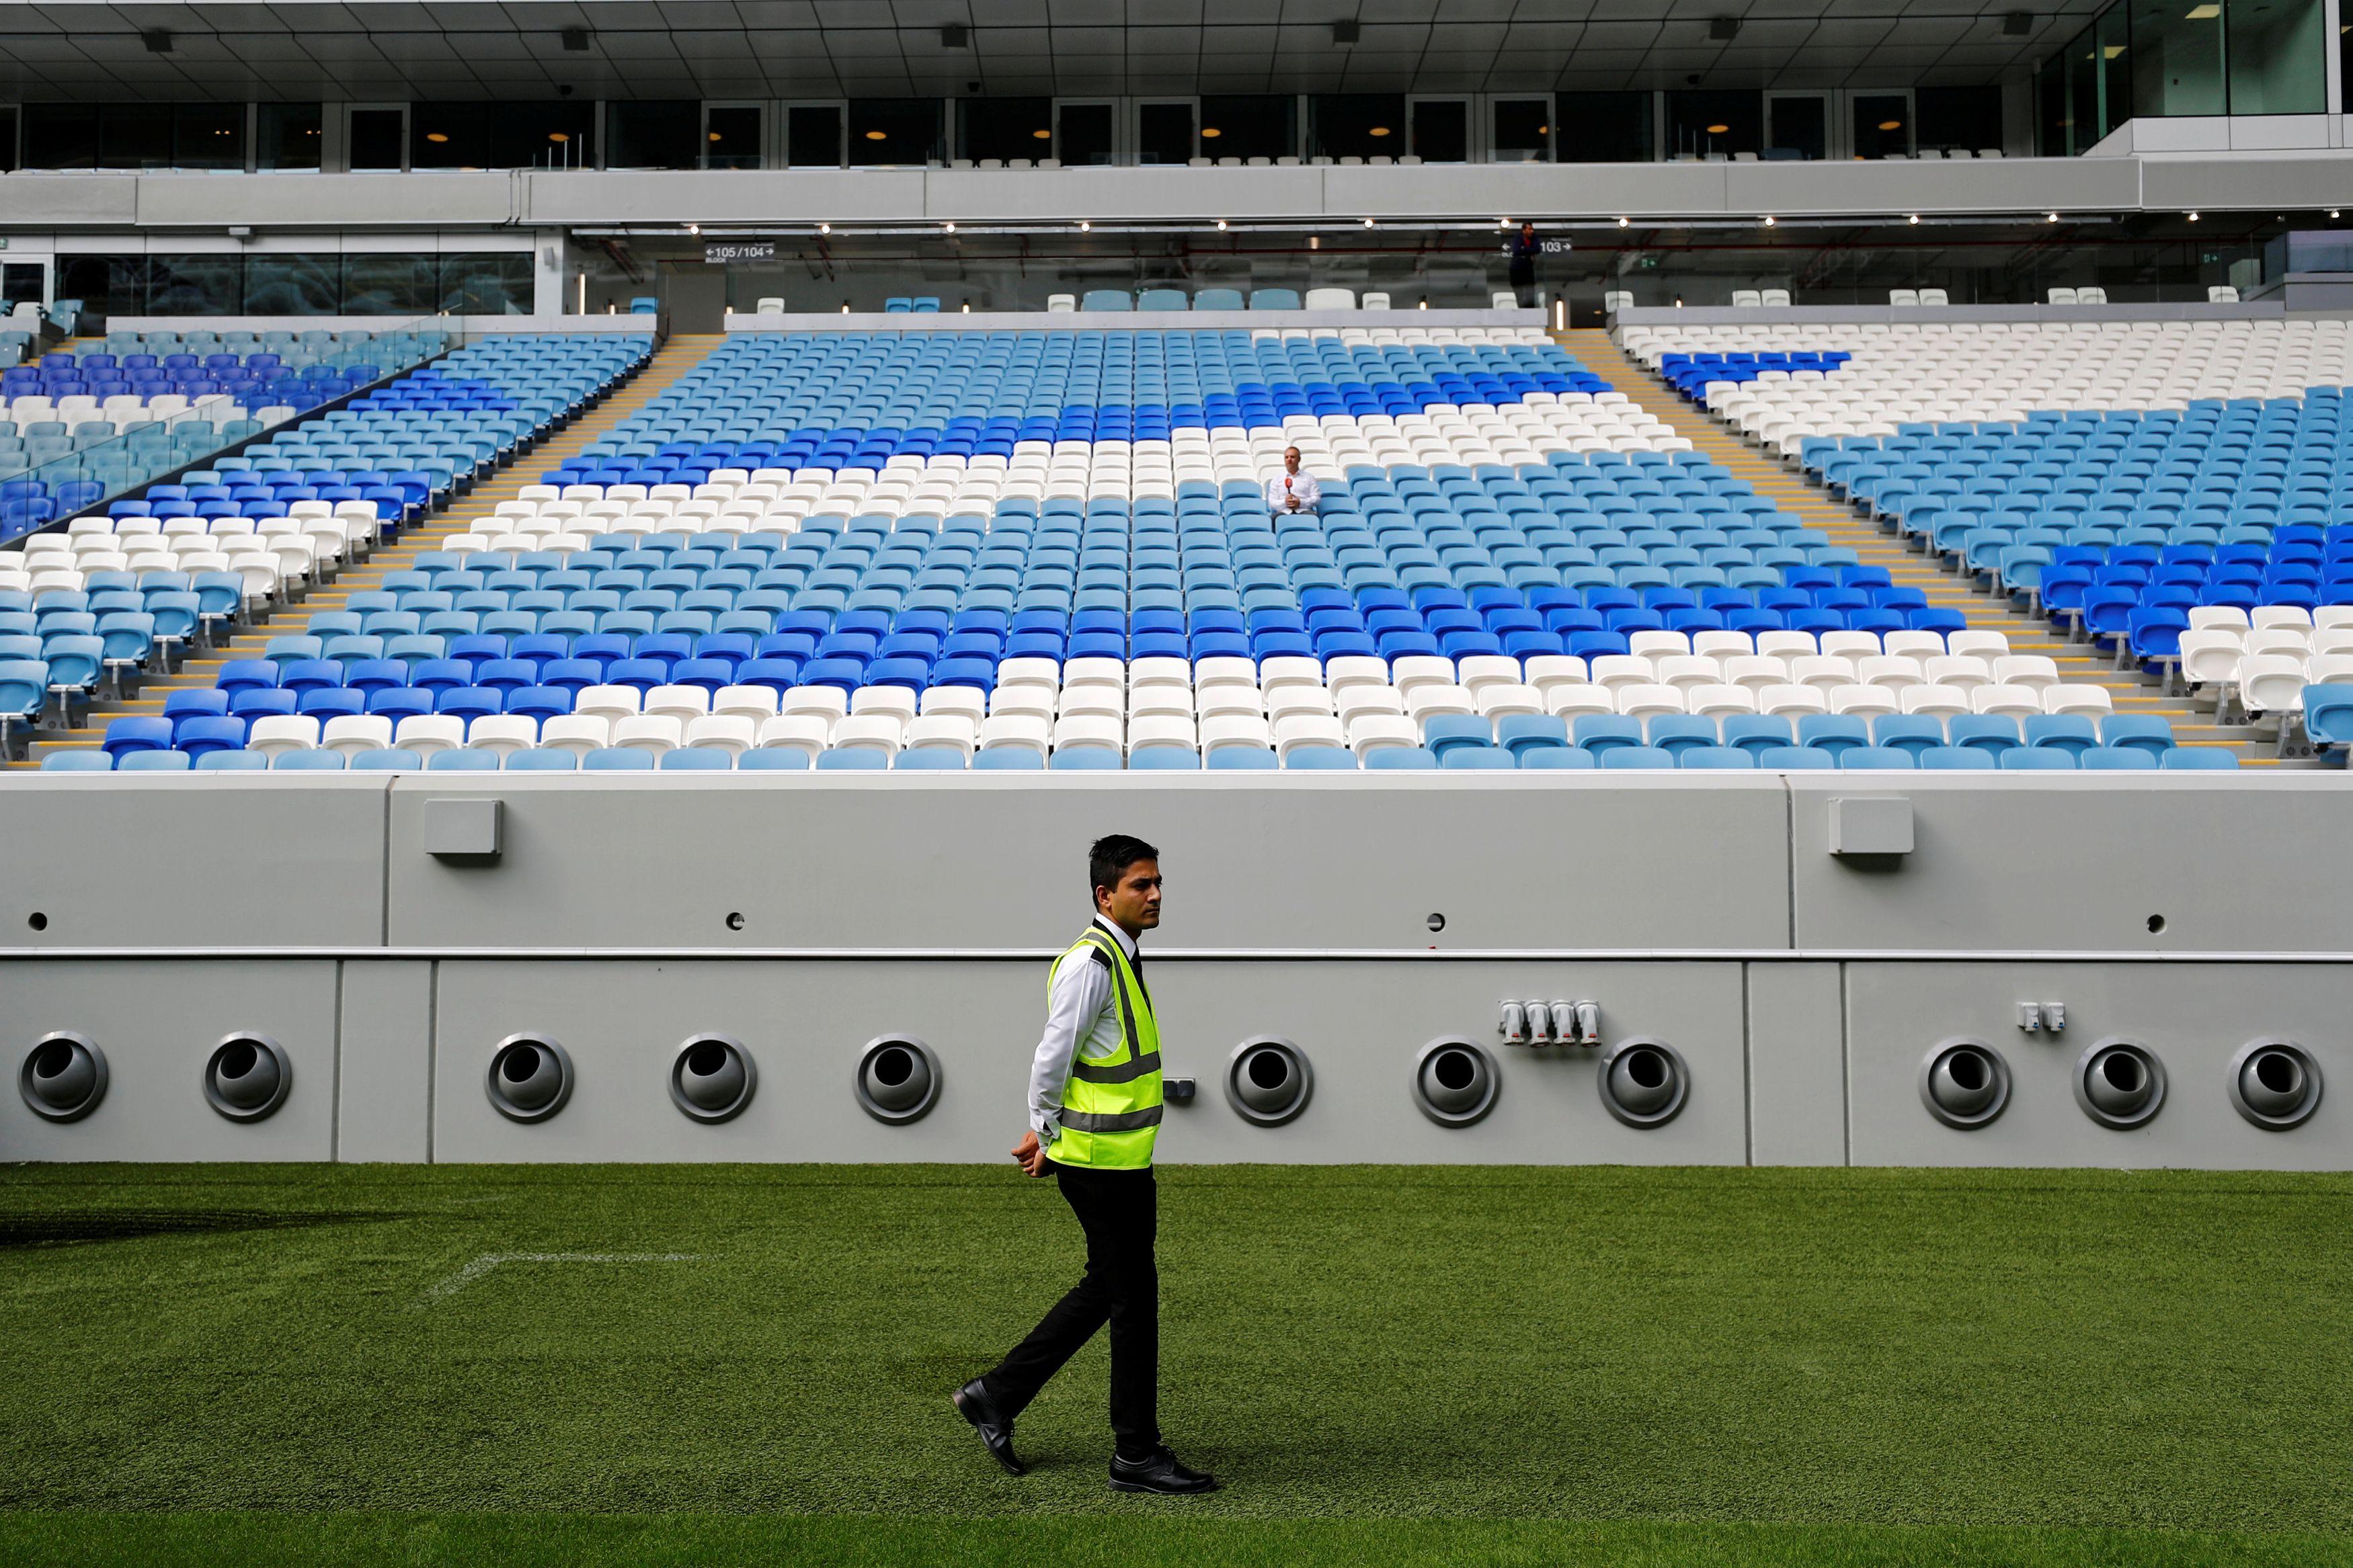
1386	1364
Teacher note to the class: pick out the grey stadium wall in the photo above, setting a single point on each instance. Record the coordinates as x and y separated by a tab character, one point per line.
1791	951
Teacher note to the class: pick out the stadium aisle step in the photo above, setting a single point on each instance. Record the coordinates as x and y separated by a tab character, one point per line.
673	358
2078	663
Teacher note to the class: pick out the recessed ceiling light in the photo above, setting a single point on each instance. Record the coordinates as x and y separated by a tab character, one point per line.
825	228
950	227
2111	52
436	136
2049	217
1624	222
1084	226
1718	130
1221	223
713	136
1041	135
1369	223
694	229
559	136
1379	130
2194	217
1212	131
2203	13
874	136
1769	223
1891	125
1914	218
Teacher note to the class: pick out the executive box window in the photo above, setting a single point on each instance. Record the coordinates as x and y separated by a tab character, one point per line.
2277	59
1604	128
1714	123
308	284
378	138
1963	117
556	133
1083	134
813	136
1442	130
1252	126
732	137
1164	133
1523	131
287	136
134	136
8	138
1883	124
902	131
1355	125
2177	60
1004	128
653	133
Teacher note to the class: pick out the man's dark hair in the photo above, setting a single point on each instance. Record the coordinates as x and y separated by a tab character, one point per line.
1108	857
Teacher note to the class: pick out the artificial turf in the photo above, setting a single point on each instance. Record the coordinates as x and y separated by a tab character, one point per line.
1502	1364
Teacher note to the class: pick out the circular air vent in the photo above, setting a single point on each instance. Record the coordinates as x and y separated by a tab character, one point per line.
2274	1084
63	1077
1268	1081
1644	1082
897	1078
1965	1083
711	1077
1454	1081
530	1077
247	1077
2120	1083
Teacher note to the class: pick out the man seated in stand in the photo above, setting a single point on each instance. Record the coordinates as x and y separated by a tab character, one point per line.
1294	491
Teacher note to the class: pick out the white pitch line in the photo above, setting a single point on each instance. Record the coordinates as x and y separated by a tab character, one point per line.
488	1260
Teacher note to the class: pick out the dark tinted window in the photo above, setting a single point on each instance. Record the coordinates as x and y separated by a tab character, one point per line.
1005	128
731	138
1164	133
8	138
552	135
894	130
376	138
1523	131
1714	123
1355	125
60	136
813	137
654	134
389	285
1603	128
1441	131
495	283
196	285
1084	133
208	136
1883	124
289	136
1258	126
134	136
1967	117
293	285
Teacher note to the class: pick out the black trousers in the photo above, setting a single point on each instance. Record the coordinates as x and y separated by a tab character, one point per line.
1119	1212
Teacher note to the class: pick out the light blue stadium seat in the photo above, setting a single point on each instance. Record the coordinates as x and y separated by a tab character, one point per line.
1240	759
698	760
773	760
232	761
1400	760
1557	759
1085	759
1217	299
1274	299
2198	760
468	760
1164	759
154	763
1477	759
1636	757
1797	759
928	760
386	760
307	762
1007	760
2117	759
1320	758
1959	759
1878	759
551	761
87	760
2038	759
1106	300
1162	299
618	759
851	760
1718	757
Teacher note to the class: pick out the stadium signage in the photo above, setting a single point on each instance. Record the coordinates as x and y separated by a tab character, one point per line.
722	251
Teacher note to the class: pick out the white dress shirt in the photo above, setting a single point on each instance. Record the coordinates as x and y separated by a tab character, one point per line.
1079	1005
1283	485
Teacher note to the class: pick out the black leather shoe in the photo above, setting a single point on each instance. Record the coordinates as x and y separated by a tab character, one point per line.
996	1427
1162	1474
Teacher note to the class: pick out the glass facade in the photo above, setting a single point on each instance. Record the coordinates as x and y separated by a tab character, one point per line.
556	133
653	133
2169	57
1004	128
1249	126
1356	125
894	132
134	135
1706	123
1523	131
487	283
1604	128
289	136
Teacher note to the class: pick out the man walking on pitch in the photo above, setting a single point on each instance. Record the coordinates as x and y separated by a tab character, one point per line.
1094	1106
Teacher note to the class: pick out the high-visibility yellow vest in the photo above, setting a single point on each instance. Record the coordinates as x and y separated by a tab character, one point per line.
1111	1104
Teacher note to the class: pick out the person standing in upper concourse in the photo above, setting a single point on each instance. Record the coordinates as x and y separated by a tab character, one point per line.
1293	492
1094	1109
1524	246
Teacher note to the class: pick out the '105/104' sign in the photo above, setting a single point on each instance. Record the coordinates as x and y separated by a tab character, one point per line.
738	250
